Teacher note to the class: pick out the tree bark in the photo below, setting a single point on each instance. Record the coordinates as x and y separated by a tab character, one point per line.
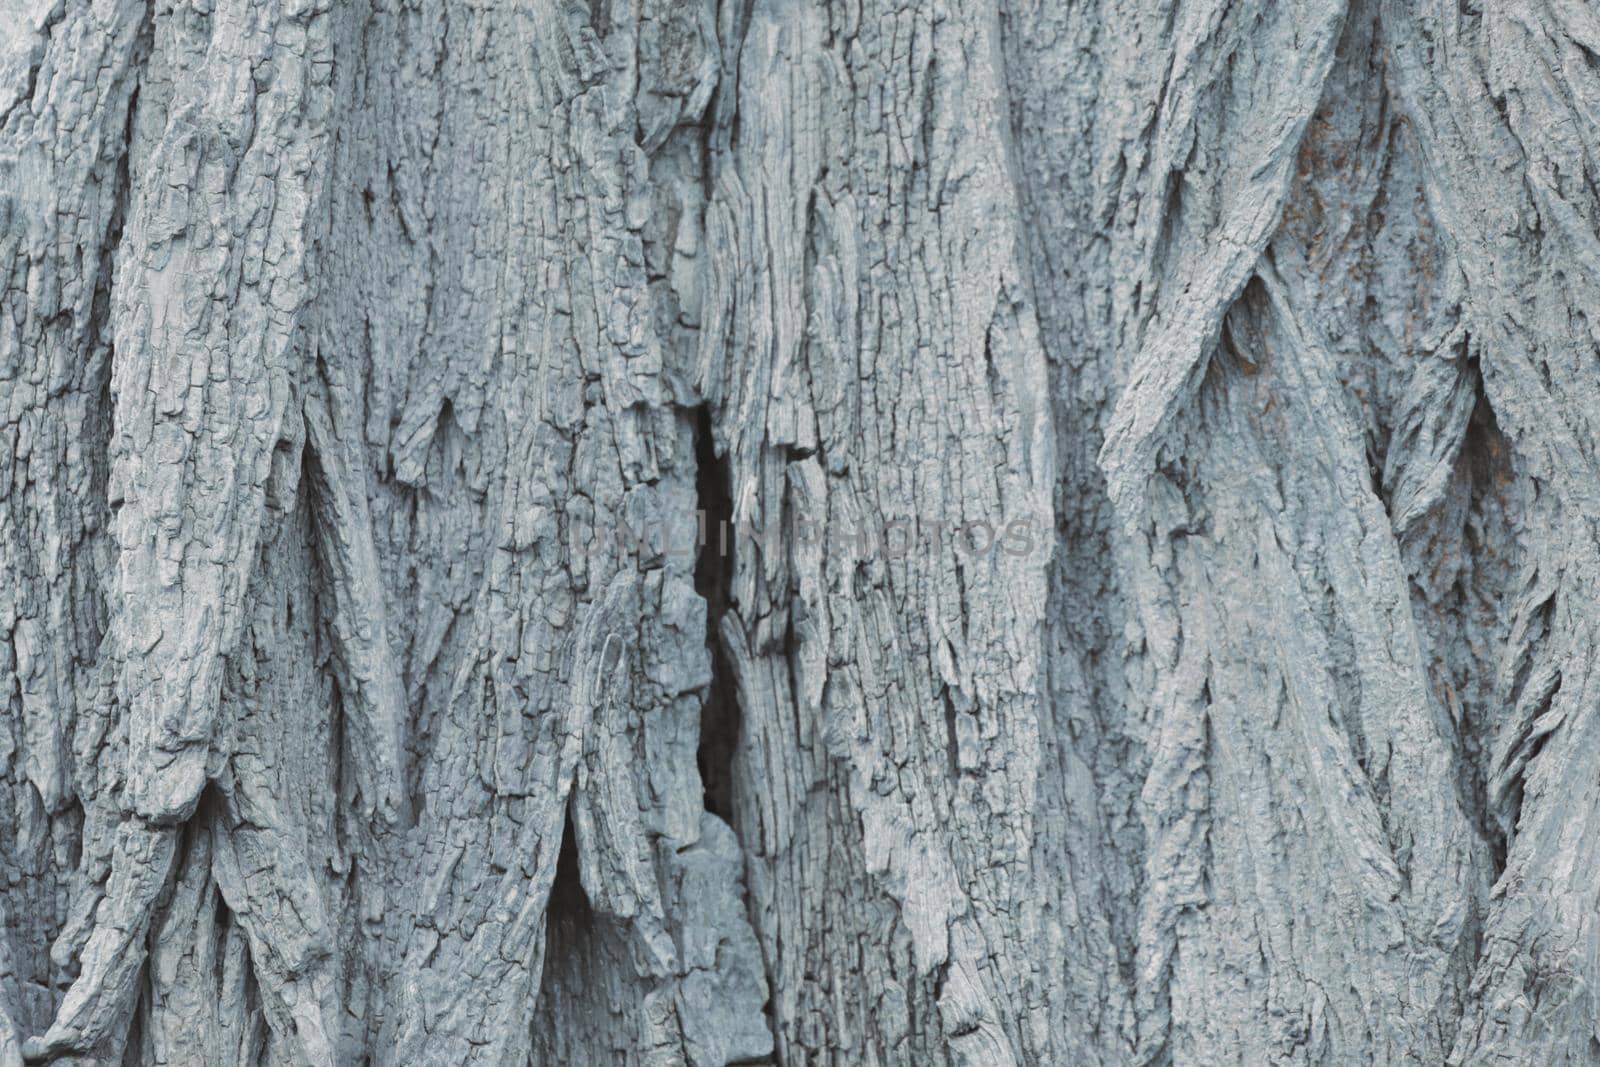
799	531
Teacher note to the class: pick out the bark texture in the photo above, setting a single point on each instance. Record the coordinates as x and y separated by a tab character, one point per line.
801	531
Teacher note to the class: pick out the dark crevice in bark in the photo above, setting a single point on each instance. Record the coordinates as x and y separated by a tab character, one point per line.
133	1047
713	577
568	914
580	947
1486	458
447	444
318	514
952	742
600	18
721	715
101	429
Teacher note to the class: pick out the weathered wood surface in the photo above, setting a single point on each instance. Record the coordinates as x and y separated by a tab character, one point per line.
364	369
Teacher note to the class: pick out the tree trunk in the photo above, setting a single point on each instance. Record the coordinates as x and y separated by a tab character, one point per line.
799	531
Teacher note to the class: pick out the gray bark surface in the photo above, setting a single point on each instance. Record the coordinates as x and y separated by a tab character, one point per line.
448	454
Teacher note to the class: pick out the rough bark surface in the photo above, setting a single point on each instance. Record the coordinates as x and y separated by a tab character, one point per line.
799	531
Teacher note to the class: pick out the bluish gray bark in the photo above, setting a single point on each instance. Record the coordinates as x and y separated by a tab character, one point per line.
1146	453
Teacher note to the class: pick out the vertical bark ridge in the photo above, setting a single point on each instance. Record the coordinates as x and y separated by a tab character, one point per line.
66	189
1525	234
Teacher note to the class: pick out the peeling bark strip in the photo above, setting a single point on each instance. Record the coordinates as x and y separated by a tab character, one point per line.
791	531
